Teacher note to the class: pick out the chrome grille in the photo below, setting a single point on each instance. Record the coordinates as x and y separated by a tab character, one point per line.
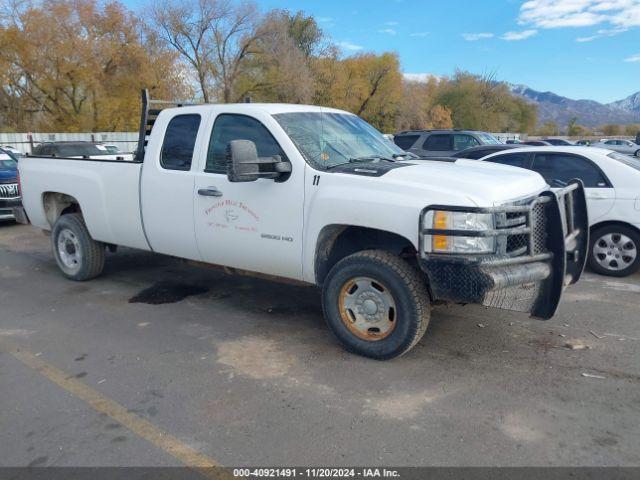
9	190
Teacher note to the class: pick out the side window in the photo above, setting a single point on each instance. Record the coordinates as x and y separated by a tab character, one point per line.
405	141
179	141
229	127
558	169
437	142
513	159
462	141
610	142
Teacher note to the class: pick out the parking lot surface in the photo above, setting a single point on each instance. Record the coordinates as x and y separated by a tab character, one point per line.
242	371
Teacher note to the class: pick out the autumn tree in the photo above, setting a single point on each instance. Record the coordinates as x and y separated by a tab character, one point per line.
368	85
77	65
631	130
281	66
611	129
548	128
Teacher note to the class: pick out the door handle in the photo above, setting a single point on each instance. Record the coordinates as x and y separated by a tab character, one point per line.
210	192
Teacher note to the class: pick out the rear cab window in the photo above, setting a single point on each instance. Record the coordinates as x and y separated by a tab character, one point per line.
179	142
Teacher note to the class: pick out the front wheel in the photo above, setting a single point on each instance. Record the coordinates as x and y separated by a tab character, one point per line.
637	154
78	256
376	304
614	251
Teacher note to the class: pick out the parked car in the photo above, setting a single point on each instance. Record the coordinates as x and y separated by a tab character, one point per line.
315	195
441	143
536	143
621	146
17	154
77	150
558	142
611	183
474	153
113	149
583	143
513	141
9	194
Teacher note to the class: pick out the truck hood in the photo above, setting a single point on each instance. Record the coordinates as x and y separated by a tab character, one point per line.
484	183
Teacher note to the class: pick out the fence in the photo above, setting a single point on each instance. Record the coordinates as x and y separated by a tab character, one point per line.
125	141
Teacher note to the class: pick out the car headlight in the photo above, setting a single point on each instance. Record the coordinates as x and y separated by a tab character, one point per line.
462	222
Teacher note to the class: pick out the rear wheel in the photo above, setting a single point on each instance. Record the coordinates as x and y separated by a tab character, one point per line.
614	251
78	256
637	154
376	304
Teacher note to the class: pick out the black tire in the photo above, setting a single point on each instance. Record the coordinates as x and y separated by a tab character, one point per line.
408	319
637	154
81	258
599	260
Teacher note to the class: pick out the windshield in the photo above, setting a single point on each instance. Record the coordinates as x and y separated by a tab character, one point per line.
626	159
7	163
81	150
488	139
329	139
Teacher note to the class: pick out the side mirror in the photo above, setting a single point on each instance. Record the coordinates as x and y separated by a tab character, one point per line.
244	165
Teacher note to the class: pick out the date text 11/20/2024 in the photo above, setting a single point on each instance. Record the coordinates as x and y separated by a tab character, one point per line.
316	472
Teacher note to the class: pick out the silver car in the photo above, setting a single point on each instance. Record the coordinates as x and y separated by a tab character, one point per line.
620	146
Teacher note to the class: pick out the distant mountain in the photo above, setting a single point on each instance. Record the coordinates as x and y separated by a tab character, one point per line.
559	109
629	104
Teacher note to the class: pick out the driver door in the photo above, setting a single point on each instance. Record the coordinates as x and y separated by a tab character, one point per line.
254	226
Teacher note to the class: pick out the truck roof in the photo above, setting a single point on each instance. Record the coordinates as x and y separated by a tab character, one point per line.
269	108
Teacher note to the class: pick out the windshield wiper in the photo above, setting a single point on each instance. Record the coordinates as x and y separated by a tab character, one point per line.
363	159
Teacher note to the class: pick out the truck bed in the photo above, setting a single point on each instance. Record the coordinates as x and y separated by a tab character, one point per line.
108	191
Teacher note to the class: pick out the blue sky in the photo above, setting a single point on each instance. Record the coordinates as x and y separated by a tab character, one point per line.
576	48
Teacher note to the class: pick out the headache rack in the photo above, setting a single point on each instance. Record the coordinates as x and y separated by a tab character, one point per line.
148	116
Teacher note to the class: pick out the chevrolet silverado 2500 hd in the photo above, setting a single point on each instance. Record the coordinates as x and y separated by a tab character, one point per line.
317	195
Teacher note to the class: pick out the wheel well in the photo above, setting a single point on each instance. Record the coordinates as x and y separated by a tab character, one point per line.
338	241
614	222
57	204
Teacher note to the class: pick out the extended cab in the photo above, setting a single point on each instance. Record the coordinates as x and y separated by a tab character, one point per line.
319	196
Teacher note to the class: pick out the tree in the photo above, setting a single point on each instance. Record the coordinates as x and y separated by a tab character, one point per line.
548	128
368	85
214	37
83	74
631	130
280	70
611	130
481	103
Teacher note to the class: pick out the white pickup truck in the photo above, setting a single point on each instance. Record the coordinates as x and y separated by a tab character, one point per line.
319	196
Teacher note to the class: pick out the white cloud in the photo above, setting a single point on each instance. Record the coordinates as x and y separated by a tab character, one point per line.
350	46
388	31
603	32
473	37
514	36
580	13
419	34
419	77
633	58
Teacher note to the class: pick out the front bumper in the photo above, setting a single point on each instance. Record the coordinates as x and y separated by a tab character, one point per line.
6	207
537	258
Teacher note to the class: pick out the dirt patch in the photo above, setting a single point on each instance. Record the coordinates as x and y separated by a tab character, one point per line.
167	292
402	406
255	357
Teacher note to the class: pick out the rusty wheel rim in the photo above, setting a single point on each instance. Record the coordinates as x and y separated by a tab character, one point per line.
367	308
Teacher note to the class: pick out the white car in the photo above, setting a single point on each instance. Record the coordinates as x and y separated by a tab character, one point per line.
317	195
621	146
612	186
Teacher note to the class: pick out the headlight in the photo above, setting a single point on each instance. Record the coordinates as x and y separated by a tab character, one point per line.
461	221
